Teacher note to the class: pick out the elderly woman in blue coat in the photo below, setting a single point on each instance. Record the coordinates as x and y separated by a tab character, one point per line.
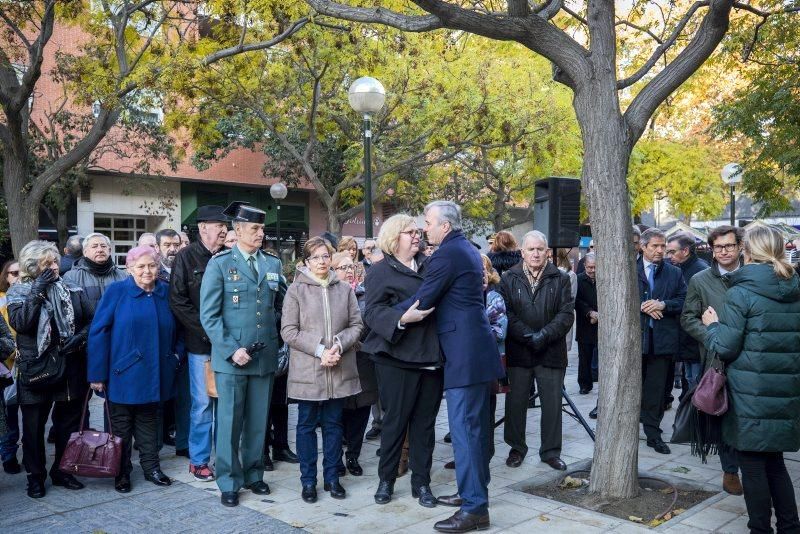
133	359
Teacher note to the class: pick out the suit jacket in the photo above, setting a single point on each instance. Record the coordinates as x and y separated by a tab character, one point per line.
689	348
236	310
453	284
670	288
585	302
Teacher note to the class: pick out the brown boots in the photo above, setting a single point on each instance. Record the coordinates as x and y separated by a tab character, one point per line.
732	484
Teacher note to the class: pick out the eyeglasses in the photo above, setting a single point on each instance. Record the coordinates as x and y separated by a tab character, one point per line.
317	259
345	268
13	273
412	233
730	247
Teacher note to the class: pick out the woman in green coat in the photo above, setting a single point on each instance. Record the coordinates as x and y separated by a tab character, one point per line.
757	335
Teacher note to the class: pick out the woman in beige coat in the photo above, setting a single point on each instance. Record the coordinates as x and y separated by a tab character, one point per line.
321	323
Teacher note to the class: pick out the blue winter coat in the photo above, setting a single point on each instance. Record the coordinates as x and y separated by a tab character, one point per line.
133	344
669	288
453	284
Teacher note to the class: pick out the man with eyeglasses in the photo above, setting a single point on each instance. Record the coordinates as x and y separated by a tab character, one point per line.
708	288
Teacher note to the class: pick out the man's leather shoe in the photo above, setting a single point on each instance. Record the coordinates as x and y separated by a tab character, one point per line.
593	413
335	489
158	478
659	446
285	455
425	496
463	522
268	465
384	493
66	481
731	484
309	494
556	463
451	500
372	433
12	466
229	498
514	458
259	488
450	465
354	467
123	484
35	487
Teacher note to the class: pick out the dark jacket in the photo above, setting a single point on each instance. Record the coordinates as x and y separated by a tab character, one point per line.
453	284
671	290
689	348
133	344
388	283
66	263
585	302
758	336
548	310
706	288
504	260
24	318
184	294
94	279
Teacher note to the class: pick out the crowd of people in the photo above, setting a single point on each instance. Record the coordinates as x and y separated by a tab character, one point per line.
202	346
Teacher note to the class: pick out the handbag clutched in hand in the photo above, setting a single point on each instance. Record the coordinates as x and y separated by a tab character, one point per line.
711	395
90	453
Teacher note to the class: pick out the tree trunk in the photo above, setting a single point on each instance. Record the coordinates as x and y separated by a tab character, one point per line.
607	147
23	219
61	227
334	225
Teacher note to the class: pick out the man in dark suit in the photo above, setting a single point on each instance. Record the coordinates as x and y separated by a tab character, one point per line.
453	285
662	292
586	318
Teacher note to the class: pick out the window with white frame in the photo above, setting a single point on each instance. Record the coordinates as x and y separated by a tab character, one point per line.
124	233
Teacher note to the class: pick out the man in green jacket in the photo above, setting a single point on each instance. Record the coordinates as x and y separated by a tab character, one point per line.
240	301
708	288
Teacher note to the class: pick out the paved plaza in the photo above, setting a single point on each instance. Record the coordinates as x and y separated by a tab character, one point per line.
189	506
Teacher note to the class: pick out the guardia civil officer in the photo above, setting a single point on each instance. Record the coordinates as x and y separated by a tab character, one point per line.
240	297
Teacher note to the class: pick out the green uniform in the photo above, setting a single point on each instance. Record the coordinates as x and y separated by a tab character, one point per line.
239	308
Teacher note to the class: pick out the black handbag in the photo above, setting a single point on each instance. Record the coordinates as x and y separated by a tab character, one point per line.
693	427
682	426
42	372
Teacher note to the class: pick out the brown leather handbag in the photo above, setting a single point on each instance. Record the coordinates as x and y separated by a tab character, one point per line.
90	453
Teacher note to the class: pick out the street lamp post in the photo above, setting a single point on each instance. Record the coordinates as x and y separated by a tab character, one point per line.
367	96
732	174
278	192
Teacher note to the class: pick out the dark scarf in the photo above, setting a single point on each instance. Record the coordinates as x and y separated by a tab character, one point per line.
100	269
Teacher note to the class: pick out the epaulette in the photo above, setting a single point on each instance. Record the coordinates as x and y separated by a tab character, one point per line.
270	252
221	253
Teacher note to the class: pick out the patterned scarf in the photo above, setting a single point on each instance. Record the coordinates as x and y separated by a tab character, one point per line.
533	280
57	306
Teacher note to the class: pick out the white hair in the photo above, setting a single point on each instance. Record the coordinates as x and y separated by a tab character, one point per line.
448	212
535	234
94	236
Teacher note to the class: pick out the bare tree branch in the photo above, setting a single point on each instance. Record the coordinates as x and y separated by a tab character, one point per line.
642	29
35	59
518	8
549	9
14	28
293	28
378	15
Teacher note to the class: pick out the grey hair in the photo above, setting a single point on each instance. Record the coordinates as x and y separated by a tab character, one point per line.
684	241
636	231
590	256
31	254
448	212
535	234
93	236
649	234
146	234
74	245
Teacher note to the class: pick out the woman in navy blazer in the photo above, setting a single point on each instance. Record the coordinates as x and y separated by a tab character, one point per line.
133	359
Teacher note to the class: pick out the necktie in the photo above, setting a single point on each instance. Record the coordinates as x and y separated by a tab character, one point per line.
251	261
652	283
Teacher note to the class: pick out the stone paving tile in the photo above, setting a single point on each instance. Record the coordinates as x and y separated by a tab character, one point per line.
554	523
710	519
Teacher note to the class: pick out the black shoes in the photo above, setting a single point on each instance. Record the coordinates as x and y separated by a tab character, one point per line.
384	493
659	446
425	496
309	494
285	455
335	489
372	434
123	484
514	458
593	413
12	466
35	487
259	488
229	499
158	478
556	463
451	500
354	467
463	522
268	465
66	481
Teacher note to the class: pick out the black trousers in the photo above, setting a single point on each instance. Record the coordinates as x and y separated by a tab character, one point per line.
138	421
767	484
355	425
66	418
410	399
550	381
669	384
654	382
277	434
586	352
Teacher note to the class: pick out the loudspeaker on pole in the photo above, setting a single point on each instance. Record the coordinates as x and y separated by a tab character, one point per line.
557	210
